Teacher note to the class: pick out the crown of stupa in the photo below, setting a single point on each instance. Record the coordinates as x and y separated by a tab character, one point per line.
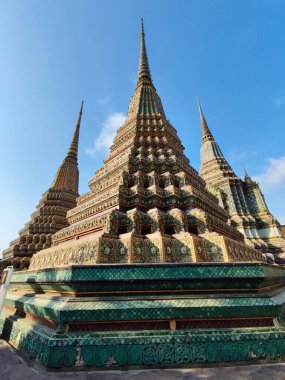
206	133
211	153
144	71
67	175
207	137
73	148
247	178
145	101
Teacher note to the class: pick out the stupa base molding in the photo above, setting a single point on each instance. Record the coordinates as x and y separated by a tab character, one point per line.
143	315
146	349
150	248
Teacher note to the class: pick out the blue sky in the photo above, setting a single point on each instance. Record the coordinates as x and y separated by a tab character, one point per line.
56	53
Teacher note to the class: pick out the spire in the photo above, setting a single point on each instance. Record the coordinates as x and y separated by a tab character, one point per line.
245	172
144	72
73	149
206	133
145	100
247	178
67	175
50	214
211	152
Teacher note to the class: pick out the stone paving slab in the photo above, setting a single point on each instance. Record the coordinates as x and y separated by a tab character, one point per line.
15	367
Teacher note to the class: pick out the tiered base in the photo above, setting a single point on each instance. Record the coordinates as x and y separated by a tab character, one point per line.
147	315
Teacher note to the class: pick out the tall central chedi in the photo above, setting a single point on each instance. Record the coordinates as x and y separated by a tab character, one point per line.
146	203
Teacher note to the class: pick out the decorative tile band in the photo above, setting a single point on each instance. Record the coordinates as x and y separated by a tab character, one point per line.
163	348
150	277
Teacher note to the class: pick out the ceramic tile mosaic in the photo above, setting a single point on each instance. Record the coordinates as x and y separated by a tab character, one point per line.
229	291
161	348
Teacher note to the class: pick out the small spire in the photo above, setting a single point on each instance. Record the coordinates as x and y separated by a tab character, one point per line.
67	175
206	133
144	71
73	149
245	172
247	178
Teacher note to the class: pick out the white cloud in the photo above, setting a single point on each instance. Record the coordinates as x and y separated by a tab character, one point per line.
281	99
107	134
273	175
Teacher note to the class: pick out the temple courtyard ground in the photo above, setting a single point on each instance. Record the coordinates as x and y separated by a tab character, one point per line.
15	367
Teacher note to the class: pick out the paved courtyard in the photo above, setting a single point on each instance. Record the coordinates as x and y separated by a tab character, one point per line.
15	367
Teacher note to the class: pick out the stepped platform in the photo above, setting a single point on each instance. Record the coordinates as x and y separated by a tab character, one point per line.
145	315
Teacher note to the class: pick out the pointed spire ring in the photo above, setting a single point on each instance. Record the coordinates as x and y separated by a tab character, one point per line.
206	133
144	71
73	149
